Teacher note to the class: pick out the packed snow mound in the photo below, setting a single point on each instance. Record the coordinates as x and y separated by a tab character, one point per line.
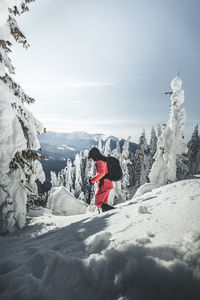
148	248
145	188
62	202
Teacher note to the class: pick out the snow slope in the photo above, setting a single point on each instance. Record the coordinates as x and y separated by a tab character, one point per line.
147	248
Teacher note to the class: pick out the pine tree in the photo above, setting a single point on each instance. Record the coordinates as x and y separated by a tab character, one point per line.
69	171
193	151
153	146
54	180
142	160
107	150
100	146
171	143
125	163
117	151
159	131
78	179
88	170
19	129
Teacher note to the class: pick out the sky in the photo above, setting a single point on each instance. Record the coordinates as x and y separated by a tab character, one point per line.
102	66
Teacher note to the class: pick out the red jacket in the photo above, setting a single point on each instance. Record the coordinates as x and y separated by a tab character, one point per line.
101	170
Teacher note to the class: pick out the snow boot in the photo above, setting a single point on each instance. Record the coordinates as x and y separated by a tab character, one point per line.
106	207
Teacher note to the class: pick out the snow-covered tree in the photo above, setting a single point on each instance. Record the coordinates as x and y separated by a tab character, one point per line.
88	170
171	144
153	146
107	150
78	178
69	171
142	160
159	131
117	151
18	139
126	165
193	151
54	180
100	146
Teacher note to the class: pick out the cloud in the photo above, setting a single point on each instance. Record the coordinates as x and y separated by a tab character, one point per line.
89	84
67	84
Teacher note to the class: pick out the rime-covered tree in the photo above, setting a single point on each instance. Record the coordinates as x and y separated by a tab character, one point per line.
159	131
69	175
117	151
54	180
100	146
126	165
19	128
88	170
171	144
78	178
107	149
153	146
193	151
142	160
75	177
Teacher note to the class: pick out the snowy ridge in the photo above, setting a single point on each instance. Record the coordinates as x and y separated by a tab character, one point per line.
147	248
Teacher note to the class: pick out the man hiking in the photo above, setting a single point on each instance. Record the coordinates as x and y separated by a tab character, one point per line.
105	185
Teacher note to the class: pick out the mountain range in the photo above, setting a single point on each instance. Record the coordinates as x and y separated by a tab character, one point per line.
58	147
61	146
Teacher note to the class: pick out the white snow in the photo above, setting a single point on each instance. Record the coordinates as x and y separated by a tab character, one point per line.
18	132
11	138
148	248
69	148
62	202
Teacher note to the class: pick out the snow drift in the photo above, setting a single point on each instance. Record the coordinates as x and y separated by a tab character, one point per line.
62	202
146	249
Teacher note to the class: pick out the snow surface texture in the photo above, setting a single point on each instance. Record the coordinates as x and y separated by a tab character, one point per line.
171	142
62	202
146	249
19	130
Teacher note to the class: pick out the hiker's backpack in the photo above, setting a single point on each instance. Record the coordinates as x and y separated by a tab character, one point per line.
114	169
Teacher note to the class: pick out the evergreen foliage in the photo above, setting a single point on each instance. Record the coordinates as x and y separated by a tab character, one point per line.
194	152
20	168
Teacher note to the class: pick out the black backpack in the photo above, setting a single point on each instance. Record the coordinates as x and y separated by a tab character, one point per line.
114	169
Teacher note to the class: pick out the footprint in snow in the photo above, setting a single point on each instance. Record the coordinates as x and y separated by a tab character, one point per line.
150	234
143	241
143	210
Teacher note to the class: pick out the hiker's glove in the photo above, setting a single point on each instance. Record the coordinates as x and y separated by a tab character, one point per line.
90	180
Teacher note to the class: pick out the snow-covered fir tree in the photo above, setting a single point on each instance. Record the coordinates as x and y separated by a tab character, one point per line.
153	146
100	146
75	177
194	152
88	170
18	139
69	175
126	165
171	144
142	160
107	149
117	151
159	131
54	180
78	179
